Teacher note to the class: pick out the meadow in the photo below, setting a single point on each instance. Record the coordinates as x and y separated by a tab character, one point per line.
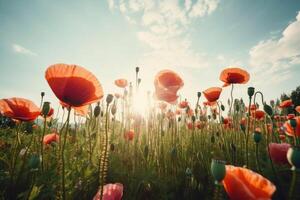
97	146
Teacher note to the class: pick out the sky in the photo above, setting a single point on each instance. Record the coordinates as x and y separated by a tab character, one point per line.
195	38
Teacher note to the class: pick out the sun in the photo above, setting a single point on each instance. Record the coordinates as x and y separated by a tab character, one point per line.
141	103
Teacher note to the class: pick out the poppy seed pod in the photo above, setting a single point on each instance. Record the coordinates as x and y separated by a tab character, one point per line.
97	110
198	94
34	162
222	107
137	69
46	108
42	94
179	119
139	80
268	109
113	109
293	156
193	118
109	99
257	136
218	170
251	91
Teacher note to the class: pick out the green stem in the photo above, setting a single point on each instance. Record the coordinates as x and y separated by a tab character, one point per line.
257	159
42	143
63	157
293	183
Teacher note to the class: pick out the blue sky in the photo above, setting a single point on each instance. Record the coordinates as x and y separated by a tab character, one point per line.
110	38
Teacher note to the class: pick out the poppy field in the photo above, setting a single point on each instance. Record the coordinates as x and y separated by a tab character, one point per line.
97	146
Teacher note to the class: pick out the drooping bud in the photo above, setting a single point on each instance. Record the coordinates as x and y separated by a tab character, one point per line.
268	109
46	108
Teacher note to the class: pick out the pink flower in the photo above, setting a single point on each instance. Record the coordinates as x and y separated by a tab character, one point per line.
278	152
111	192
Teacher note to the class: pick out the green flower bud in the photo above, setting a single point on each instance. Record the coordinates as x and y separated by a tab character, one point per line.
268	109
97	110
218	170
257	136
251	91
109	99
46	108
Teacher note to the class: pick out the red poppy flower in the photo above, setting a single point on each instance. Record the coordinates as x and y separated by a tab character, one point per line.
190	125
129	135
111	192
122	83
168	80
73	85
183	104
166	96
289	130
241	183
297	109
200	125
190	112
286	103
278	152
170	115
49	138
212	94
19	109
277	117
243	121
234	76
178	112
51	112
258	114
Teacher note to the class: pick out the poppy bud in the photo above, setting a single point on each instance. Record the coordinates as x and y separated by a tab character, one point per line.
257	136
46	108
233	147
173	153
179	119
212	139
251	91
209	117
42	94
113	109
293	156
218	170
97	110
137	69
237	107
112	147
34	162
139	80
109	99
293	123
268	109
243	127
146	151
193	118
188	172
198	94
222	107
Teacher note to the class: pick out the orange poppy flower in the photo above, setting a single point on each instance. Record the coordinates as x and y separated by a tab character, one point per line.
289	130
258	114
212	94
19	109
122	83
49	138
234	76
168	80
81	111
241	183
73	85
286	103
297	109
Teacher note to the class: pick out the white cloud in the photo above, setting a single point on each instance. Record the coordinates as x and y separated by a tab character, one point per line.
163	27
22	50
204	7
274	57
